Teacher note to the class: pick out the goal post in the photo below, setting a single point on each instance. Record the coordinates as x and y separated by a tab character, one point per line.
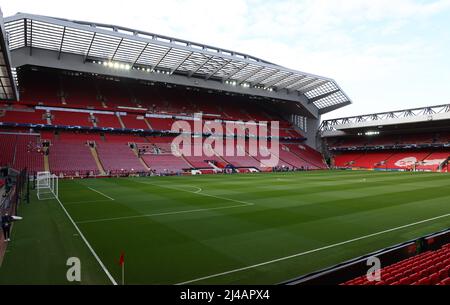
47	185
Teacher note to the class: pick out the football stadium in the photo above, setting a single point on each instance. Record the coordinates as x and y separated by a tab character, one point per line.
148	159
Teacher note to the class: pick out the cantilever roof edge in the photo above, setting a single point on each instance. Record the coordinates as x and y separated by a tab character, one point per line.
8	88
115	43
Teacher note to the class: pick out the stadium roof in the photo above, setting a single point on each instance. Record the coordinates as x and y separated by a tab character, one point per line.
439	113
137	49
8	90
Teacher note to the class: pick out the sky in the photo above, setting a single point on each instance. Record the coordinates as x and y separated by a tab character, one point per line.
385	54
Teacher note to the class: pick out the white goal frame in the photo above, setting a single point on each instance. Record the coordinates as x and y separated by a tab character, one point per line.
47	186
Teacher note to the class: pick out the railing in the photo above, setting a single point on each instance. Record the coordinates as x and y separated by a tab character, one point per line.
17	189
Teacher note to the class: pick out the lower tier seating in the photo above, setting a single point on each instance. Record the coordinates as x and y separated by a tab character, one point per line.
75	153
429	268
21	151
165	163
117	157
71	157
424	160
308	154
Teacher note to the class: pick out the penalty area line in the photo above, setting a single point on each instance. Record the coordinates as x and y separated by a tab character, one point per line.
104	195
113	281
311	251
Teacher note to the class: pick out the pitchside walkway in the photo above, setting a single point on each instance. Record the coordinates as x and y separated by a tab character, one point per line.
241	229
41	245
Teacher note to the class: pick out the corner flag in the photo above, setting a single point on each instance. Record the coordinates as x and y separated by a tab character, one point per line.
122	263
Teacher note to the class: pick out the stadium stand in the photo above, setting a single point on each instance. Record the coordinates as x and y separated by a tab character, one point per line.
392	160
107	120
21	151
27	115
70	155
134	121
29	153
80	100
428	268
7	146
68	118
118	157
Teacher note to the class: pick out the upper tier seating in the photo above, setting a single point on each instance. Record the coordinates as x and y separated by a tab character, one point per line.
80	91
66	118
115	93
429	268
26	116
97	92
107	120
382	140
161	124
133	121
41	87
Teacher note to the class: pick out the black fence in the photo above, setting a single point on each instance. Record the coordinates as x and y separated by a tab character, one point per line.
16	192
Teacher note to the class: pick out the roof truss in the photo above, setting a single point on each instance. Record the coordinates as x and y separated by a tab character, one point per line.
157	52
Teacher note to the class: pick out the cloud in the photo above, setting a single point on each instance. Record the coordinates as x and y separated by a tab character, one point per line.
374	49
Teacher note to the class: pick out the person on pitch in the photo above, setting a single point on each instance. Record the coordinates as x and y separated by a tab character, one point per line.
6	226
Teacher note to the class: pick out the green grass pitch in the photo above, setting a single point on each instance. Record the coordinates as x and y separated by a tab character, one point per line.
239	229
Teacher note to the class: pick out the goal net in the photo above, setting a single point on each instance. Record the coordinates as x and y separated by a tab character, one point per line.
46	185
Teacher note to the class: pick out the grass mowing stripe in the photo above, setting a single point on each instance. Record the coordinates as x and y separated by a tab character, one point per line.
113	281
100	193
198	193
162	214
312	251
86	201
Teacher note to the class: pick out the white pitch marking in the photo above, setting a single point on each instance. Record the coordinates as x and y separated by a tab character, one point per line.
87	201
161	214
311	251
199	190
113	281
110	198
198	193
